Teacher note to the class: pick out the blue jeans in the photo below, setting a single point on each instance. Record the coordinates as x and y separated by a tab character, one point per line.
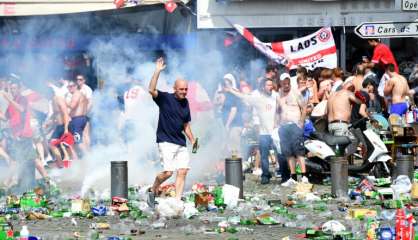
266	143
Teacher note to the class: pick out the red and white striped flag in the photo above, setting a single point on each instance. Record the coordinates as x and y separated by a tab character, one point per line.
312	51
268	49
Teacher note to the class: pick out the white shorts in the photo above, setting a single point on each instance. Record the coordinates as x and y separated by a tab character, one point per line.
173	156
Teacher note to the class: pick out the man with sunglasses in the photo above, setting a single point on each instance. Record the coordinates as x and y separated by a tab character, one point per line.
174	119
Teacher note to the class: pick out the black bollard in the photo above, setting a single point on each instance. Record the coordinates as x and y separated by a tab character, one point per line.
234	175
119	179
339	177
405	166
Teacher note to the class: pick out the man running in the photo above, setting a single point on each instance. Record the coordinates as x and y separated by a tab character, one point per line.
174	118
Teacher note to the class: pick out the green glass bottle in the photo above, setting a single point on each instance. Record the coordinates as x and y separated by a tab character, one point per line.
219	196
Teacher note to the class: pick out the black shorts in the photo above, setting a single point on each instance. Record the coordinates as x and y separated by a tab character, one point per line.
291	140
76	127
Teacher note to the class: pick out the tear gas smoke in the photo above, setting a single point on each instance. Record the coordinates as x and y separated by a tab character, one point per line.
121	64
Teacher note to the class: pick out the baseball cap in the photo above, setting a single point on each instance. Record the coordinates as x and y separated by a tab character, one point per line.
230	77
283	76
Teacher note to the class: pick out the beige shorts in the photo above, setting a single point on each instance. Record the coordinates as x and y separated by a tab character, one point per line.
173	156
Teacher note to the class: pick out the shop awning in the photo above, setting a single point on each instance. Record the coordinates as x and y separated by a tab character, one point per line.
46	7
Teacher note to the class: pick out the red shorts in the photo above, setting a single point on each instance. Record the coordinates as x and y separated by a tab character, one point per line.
67	139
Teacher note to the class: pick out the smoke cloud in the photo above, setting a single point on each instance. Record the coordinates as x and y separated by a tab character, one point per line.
122	62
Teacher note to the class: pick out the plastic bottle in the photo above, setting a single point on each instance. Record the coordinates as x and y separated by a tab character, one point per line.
24	233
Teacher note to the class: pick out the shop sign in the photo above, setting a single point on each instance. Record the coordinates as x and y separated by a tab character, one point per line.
387	29
410	5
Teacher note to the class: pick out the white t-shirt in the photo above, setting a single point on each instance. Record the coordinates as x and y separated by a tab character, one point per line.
265	107
60	91
336	85
134	98
4	104
382	83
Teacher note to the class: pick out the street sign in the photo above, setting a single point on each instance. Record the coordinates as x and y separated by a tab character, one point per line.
410	5
387	29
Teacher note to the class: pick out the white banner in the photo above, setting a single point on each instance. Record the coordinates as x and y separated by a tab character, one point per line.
312	51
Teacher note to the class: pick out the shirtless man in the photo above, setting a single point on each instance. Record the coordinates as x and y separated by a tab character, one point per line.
291	111
358	78
339	115
88	93
339	112
397	88
61	118
78	110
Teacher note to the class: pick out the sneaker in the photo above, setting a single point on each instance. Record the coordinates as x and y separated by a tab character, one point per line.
265	181
289	183
257	172
151	199
304	179
277	175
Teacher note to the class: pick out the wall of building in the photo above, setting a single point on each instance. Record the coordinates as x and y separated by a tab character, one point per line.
297	13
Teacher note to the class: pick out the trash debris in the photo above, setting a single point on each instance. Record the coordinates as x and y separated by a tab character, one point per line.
80	206
189	210
168	190
73	222
100	210
401	185
170	207
362	213
231	195
159	224
414	190
100	226
119	204
333	227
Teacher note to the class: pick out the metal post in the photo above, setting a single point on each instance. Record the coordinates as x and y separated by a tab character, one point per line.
119	179
405	166
339	177
234	175
343	49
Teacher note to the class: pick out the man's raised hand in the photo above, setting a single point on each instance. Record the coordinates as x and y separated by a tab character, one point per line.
160	64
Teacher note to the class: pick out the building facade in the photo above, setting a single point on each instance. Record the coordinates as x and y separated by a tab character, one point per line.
283	20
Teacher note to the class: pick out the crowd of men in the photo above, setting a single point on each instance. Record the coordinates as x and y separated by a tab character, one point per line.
274	106
290	106
47	127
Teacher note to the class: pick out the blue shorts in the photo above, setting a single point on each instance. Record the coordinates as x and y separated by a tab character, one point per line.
399	108
58	132
291	140
76	127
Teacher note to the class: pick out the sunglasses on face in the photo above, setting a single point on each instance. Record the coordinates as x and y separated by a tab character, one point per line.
72	85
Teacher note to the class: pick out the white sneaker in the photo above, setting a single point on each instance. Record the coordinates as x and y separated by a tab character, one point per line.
305	179
257	172
289	183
